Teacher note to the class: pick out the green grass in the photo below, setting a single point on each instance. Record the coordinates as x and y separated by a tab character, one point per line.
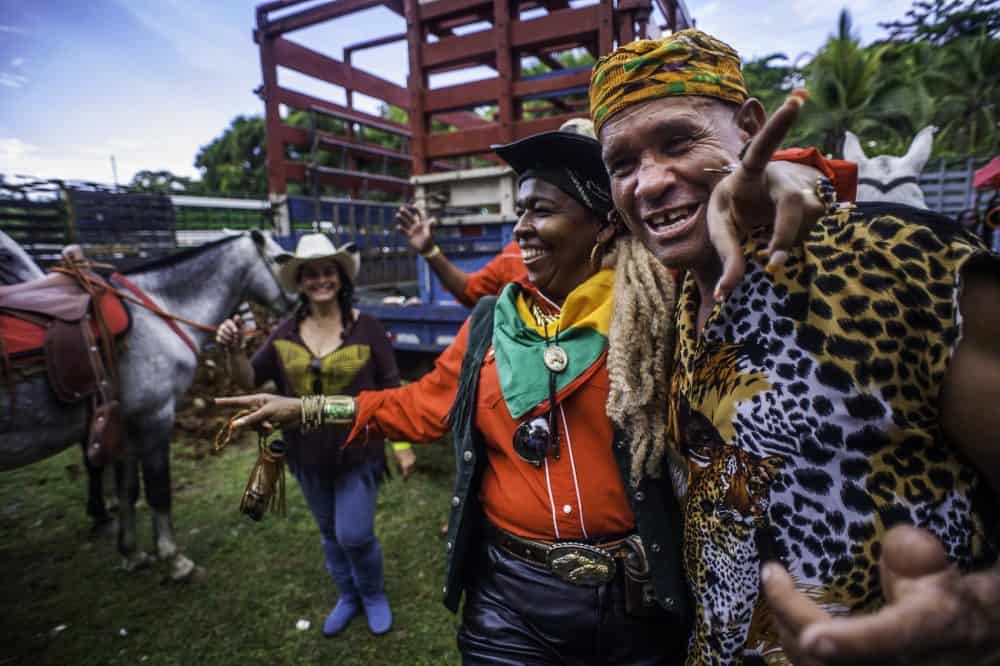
261	577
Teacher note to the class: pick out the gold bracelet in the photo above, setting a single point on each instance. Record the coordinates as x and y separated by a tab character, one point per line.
338	410
312	412
431	253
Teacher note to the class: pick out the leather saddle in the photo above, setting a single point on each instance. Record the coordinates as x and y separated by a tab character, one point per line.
80	317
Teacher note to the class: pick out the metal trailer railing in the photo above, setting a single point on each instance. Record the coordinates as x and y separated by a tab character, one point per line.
947	186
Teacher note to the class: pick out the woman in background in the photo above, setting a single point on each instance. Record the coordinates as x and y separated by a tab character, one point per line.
327	346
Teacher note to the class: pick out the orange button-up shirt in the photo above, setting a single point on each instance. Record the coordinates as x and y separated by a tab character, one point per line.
578	496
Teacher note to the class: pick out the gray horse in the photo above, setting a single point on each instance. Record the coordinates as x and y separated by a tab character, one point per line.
888	178
156	367
15	264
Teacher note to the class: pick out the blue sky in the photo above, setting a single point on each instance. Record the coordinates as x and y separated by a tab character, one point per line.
150	81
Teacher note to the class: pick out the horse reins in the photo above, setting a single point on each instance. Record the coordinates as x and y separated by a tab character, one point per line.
171	320
139	297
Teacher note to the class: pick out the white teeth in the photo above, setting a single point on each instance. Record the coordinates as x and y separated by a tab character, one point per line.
673	217
530	253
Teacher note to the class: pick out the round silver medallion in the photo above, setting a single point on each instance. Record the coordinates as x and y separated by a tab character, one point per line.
555	358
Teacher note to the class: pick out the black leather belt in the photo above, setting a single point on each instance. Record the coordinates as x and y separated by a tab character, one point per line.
572	561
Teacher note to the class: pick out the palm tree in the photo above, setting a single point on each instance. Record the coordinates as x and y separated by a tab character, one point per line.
966	92
769	79
865	90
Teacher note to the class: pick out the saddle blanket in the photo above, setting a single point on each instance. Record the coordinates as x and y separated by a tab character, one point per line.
23	337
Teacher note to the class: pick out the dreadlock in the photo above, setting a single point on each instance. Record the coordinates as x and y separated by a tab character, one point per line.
640	350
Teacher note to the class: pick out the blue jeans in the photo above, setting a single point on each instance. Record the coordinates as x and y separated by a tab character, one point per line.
344	510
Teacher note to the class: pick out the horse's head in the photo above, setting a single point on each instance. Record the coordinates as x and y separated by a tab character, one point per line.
888	178
261	284
15	264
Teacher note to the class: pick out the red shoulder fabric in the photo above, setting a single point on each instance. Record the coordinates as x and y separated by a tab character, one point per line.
490	280
844	174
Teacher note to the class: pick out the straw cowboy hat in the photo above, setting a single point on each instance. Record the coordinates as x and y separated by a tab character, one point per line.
312	247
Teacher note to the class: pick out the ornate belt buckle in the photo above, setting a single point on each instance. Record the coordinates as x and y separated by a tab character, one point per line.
581	564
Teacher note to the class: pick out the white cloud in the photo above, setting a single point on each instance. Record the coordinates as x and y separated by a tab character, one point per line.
9	80
709	10
17	62
13	29
92	161
803	27
13	149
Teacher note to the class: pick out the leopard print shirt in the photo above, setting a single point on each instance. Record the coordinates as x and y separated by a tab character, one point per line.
805	423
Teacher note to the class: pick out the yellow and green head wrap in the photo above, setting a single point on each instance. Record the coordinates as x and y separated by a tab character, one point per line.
688	62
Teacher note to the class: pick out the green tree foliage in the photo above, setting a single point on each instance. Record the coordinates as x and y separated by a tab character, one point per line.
965	86
942	21
853	88
541	108
234	163
163	181
770	79
886	92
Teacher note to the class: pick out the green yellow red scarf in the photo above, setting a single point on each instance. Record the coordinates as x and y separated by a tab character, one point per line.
519	341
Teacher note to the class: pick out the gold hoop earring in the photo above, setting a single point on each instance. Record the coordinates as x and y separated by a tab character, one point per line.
617	219
594	263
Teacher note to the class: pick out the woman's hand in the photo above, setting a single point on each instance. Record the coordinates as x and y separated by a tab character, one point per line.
268	412
760	192
418	232
229	333
406	460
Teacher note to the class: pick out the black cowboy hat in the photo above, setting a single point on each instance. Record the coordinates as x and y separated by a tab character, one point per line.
560	150
556	149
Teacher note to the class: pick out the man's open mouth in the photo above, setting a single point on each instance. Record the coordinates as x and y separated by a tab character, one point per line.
673	221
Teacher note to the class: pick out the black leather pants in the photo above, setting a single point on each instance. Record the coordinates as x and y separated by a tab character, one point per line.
519	614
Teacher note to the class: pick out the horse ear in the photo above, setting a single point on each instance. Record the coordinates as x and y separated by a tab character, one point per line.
852	149
258	238
920	150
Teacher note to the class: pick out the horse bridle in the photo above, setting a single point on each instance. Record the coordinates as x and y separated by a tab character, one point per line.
270	263
891	185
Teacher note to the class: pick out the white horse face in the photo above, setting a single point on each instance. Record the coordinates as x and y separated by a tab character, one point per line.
262	282
891	179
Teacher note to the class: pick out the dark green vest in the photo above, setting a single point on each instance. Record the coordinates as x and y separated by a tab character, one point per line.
657	514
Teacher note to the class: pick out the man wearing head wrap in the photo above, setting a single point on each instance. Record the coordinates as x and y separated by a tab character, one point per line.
832	447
